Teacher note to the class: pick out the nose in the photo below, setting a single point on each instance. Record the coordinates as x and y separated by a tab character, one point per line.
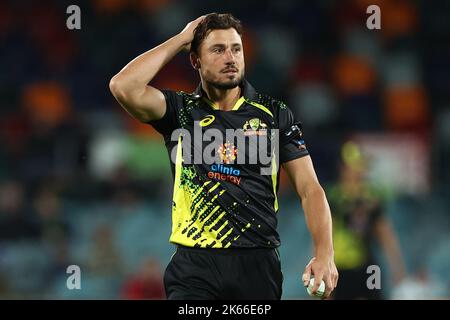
229	56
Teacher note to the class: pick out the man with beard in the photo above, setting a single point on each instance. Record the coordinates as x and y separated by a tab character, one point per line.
224	213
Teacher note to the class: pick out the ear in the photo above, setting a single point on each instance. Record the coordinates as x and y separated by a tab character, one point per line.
195	61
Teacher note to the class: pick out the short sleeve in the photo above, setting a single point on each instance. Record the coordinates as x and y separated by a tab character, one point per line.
292	143
169	122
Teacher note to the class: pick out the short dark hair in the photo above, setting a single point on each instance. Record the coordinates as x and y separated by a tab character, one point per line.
214	21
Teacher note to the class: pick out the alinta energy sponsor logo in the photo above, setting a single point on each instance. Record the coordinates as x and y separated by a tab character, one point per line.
227	153
225	173
255	127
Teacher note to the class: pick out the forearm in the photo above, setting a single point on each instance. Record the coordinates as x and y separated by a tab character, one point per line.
396	264
318	219
141	70
390	244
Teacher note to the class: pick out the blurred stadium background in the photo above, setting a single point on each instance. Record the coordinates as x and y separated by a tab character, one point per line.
82	183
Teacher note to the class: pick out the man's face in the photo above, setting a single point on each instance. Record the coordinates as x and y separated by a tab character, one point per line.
221	59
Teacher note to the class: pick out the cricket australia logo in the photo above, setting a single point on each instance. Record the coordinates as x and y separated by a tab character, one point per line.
227	153
255	127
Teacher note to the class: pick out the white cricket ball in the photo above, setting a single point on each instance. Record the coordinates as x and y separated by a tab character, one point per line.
320	292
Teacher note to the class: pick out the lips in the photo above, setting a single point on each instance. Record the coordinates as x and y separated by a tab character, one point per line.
230	71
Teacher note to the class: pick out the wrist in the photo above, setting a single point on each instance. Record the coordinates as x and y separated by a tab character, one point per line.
324	253
183	39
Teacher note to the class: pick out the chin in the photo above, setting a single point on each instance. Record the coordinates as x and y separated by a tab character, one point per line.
227	84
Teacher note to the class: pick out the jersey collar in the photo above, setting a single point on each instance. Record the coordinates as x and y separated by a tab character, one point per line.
248	94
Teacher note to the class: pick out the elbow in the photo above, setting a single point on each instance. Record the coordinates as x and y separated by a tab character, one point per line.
318	192
313	191
124	89
116	86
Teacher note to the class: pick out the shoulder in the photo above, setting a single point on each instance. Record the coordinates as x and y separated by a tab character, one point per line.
180	95
179	99
269	101
275	106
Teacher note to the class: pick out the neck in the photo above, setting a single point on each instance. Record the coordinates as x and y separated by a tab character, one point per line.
224	99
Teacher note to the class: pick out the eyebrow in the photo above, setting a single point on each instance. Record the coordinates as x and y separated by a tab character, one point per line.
221	45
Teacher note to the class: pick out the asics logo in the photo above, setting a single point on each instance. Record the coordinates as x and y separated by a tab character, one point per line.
206	121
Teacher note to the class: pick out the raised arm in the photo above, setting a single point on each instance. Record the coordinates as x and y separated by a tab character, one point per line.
318	219
130	86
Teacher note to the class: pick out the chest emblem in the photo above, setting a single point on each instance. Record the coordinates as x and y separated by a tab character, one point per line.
255	127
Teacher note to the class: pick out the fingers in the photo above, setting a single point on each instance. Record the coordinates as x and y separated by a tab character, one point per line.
198	20
325	272
331	282
307	275
317	280
329	286
336	279
334	276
